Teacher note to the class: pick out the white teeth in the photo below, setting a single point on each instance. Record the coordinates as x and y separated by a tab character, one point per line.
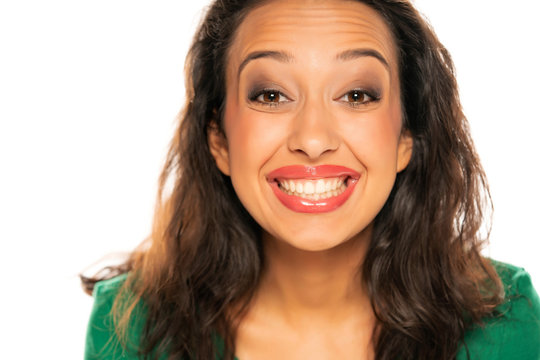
319	186
314	189
309	188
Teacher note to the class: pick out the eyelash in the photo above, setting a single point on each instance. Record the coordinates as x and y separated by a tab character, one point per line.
372	95
253	96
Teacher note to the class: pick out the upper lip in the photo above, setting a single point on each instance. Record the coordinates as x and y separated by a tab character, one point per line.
312	172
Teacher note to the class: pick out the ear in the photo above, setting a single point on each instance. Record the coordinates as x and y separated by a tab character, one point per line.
218	147
405	148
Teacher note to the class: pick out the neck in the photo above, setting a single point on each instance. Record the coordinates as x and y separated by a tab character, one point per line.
315	284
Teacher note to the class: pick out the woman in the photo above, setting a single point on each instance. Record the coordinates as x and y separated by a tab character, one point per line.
326	203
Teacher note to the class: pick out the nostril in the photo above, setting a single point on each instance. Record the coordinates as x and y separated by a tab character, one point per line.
313	138
314	151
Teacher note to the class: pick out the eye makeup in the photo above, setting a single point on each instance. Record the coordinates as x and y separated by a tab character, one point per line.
267	97
359	97
357	87
272	97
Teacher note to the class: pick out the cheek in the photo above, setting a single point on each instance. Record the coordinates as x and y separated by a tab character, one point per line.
253	138
374	137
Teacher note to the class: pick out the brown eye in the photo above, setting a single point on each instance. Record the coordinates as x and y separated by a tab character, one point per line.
270	96
356	96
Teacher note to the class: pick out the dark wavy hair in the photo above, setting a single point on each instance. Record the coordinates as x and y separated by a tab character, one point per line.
427	280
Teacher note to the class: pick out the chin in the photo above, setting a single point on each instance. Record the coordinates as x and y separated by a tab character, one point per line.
316	243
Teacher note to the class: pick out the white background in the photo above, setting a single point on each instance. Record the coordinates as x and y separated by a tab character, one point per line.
89	91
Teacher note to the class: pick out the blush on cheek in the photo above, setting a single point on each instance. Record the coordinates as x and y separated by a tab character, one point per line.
373	137
386	129
244	135
256	136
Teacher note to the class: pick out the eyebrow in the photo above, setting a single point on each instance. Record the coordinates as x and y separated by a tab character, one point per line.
358	53
280	56
284	57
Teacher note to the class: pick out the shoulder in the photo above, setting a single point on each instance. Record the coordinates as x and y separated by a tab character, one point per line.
102	341
106	291
514	333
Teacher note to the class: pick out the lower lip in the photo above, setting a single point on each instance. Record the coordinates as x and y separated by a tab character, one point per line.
302	205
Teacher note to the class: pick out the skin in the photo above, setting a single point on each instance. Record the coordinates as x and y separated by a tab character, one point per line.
311	303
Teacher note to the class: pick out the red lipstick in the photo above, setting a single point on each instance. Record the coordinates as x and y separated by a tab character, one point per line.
301	172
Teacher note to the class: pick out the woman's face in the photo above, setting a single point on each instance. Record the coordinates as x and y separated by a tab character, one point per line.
312	120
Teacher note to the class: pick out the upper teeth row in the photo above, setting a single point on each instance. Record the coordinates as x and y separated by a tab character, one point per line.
312	186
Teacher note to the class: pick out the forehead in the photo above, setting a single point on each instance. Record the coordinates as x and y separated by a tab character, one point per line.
314	29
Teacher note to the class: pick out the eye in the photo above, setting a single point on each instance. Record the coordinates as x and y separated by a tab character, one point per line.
268	97
358	97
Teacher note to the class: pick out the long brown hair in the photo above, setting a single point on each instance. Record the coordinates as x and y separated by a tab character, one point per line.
427	280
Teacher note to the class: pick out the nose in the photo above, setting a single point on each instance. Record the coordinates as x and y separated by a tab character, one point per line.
313	132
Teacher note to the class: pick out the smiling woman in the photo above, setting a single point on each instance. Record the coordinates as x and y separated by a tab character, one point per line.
327	202
339	52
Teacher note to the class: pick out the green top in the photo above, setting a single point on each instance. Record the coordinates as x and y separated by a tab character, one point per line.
514	335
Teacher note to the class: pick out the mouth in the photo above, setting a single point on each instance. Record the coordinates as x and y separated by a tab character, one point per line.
313	189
